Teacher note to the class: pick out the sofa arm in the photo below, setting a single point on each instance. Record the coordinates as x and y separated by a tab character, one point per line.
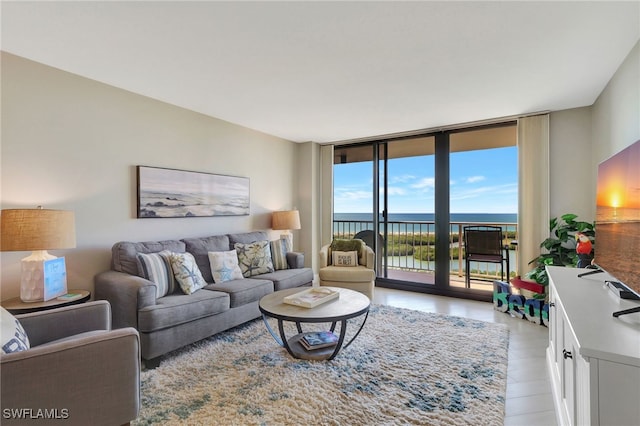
295	260
46	326
126	293
324	256
91	380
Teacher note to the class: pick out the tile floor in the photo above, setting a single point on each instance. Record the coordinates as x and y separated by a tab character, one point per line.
529	401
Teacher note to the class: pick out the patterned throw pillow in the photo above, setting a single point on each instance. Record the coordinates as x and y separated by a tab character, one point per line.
156	268
344	258
14	339
186	272
254	258
224	266
279	250
355	244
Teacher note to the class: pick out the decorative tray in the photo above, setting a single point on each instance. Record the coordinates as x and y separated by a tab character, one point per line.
312	297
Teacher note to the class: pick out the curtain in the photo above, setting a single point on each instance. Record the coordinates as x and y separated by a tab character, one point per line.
533	188
326	194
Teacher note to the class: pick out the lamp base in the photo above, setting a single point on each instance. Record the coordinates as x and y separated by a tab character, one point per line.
32	283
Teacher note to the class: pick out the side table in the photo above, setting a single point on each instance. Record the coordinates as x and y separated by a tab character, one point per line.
16	306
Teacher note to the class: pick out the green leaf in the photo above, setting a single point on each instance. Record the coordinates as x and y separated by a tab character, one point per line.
569	217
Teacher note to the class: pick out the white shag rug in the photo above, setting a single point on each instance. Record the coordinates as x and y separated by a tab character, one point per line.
405	367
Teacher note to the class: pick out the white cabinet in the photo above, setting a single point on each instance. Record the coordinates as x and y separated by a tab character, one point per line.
593	358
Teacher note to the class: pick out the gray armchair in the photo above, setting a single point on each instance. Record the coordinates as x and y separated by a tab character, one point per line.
77	372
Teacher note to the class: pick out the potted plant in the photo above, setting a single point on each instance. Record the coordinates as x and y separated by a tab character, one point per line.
560	247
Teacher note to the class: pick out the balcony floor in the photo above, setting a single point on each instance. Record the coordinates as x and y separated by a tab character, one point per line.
428	278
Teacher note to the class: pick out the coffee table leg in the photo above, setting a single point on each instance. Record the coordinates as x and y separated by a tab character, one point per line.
343	332
273	334
361	326
283	337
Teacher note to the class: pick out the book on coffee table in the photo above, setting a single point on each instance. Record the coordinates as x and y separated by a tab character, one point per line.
311	297
318	340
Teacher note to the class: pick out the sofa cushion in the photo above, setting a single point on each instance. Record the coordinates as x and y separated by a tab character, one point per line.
224	266
254	258
176	309
200	247
12	336
243	291
279	250
186	272
156	267
246	238
124	253
341	274
288	278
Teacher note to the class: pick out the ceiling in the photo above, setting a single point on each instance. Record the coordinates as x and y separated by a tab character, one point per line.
335	71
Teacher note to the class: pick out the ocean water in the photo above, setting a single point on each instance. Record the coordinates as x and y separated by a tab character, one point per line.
429	217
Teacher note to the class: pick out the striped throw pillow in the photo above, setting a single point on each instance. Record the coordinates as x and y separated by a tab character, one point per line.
156	268
279	250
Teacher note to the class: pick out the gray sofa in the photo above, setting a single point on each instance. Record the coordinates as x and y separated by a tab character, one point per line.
177	319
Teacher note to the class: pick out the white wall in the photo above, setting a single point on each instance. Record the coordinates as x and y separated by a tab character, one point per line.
571	187
616	112
580	138
72	143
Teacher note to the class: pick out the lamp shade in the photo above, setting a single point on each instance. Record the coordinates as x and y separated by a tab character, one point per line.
37	229
289	219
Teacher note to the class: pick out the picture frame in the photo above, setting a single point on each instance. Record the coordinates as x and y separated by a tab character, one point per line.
173	193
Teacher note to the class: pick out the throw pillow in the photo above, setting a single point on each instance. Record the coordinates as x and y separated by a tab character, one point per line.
186	272
346	245
355	244
279	250
14	339
344	258
156	268
254	258
224	266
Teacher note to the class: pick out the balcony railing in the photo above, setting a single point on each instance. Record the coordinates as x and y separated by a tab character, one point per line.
411	246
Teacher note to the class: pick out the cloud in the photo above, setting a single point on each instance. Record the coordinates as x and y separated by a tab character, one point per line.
424	183
394	190
474	179
402	179
510	188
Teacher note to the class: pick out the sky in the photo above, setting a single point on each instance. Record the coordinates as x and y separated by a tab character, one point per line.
482	181
619	179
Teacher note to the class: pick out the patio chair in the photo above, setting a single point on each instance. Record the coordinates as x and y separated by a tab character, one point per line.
484	244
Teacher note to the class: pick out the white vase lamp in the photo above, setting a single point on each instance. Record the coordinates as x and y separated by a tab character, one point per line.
38	230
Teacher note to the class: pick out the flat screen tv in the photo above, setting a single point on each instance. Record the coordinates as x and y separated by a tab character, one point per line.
617	227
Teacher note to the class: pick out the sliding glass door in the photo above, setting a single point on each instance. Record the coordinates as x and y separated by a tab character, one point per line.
410	198
406	203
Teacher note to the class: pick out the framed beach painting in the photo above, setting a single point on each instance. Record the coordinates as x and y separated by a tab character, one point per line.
179	193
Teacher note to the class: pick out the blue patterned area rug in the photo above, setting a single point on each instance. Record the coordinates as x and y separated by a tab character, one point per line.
406	367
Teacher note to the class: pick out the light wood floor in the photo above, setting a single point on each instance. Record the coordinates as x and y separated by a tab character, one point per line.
529	401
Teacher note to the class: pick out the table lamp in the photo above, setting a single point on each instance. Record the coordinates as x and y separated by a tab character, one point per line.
285	221
37	230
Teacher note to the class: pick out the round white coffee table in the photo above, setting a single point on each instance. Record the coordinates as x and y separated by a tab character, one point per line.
349	304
